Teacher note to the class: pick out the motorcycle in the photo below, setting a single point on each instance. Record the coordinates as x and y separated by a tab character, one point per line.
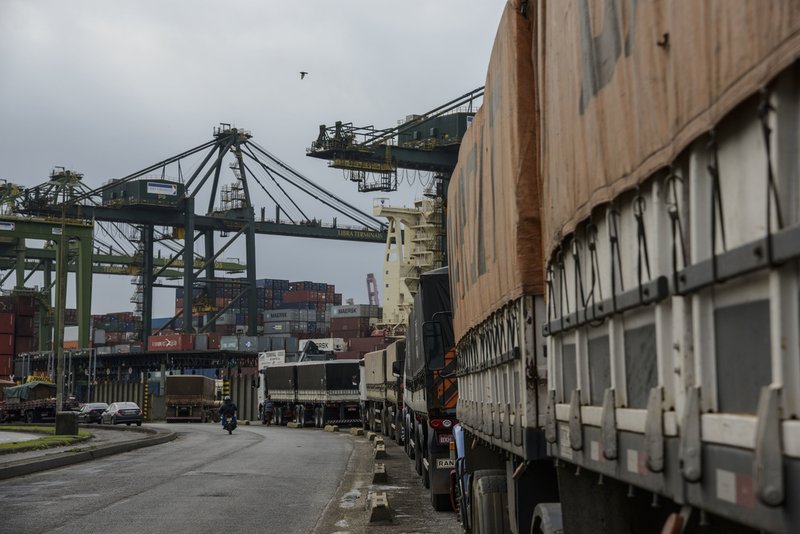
230	425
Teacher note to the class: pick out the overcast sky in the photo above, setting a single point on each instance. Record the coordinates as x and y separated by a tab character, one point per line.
108	88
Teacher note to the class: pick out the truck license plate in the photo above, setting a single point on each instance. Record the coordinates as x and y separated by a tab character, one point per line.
445	463
445	439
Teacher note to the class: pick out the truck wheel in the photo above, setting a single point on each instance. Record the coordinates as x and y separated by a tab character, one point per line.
441	502
427	474
398	428
302	416
417	454
30	416
489	501
279	417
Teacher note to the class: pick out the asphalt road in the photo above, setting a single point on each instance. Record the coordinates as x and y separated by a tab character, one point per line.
257	480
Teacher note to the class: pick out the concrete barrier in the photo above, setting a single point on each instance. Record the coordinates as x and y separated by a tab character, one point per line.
356	431
379	510
331	428
292	424
379	475
380	451
371	436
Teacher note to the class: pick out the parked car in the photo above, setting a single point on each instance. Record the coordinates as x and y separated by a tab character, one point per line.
92	412
122	412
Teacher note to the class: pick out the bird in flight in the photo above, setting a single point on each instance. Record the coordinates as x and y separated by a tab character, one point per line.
303	74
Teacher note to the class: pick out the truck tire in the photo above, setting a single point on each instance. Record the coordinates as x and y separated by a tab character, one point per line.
441	502
398	428
302	416
389	422
489	502
417	454
30	416
385	428
427	473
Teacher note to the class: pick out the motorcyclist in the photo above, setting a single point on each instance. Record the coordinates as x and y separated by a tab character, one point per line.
268	409
228	409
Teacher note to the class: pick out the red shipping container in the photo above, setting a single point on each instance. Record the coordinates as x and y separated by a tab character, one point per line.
366	344
7	344
24	326
24	305
24	344
171	342
6	366
213	340
7	322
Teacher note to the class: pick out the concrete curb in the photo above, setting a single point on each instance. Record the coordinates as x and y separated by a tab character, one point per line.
53	461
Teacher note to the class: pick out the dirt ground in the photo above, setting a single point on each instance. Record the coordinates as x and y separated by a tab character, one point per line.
412	512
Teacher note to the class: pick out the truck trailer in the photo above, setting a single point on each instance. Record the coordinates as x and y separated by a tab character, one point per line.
623	231
190	399
383	402
325	392
430	390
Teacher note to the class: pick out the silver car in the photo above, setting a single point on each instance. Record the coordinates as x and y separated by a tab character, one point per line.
122	412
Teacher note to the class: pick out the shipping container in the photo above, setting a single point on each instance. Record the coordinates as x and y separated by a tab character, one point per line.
248	344
23	344
264	343
24	305
201	342
6	365
283	327
356	310
359	324
278	343
332	344
229	343
366	344
171	342
7	344
7	322
24	326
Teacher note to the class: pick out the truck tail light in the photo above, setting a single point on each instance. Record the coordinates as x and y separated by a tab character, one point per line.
445	424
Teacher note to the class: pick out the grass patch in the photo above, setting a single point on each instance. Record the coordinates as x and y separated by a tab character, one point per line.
48	440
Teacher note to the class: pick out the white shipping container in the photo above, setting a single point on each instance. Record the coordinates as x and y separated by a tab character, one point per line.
335	344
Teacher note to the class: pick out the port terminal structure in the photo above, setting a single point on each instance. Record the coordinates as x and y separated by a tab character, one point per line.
147	210
372	157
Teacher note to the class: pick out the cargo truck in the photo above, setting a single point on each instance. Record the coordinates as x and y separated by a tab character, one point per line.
430	391
325	392
190	399
383	401
623	236
32	402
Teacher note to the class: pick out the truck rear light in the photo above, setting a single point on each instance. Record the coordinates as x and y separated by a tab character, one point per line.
442	423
